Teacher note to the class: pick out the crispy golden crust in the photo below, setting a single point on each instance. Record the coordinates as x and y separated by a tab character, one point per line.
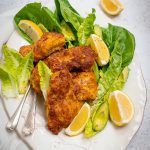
24	50
85	86
35	80
61	104
49	43
76	58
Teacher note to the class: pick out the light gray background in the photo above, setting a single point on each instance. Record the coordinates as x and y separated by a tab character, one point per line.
139	10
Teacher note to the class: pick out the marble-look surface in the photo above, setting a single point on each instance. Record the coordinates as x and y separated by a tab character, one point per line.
136	17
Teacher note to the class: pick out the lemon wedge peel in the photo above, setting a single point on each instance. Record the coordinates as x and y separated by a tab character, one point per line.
31	29
68	130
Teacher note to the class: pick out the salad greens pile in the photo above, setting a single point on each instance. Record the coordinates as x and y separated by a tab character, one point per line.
77	30
121	44
15	72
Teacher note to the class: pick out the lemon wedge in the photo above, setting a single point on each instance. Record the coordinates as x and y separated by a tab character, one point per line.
31	29
112	7
98	45
121	108
79	122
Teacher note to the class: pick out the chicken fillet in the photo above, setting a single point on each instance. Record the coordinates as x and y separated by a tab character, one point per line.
61	104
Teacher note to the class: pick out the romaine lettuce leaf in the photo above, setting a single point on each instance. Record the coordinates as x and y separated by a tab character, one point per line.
98	30
124	37
86	28
24	72
96	71
12	59
89	132
67	32
113	71
38	14
9	83
45	75
57	11
15	71
65	11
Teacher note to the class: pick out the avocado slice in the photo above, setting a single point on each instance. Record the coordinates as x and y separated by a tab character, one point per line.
101	117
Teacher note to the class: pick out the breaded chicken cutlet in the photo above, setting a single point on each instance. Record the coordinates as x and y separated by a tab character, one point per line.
49	43
85	86
79	58
61	104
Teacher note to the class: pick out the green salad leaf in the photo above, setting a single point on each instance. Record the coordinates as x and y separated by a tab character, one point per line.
98	30
67	32
112	34
86	28
113	71
38	14
65	11
89	132
96	71
24	72
45	75
9	83
12	59
15	71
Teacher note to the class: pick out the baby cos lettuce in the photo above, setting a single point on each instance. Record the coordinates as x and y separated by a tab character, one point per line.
15	72
24	72
126	40
65	11
86	28
45	75
9	83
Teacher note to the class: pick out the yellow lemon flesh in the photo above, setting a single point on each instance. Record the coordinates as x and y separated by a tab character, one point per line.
112	7
98	45
121	108
31	29
79	122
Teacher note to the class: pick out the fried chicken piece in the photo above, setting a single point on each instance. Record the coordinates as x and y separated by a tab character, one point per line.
35	80
24	50
61	104
49	43
85	86
76	58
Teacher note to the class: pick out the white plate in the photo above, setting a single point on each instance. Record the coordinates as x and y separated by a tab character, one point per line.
111	138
